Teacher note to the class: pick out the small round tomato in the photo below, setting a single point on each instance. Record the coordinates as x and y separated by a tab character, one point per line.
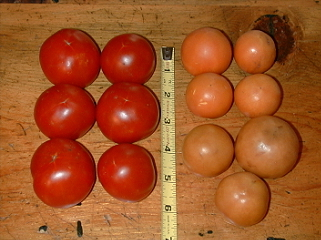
65	111
127	112
209	95
255	52
258	95
208	150
63	172
127	172
243	198
128	58
70	56
267	146
206	50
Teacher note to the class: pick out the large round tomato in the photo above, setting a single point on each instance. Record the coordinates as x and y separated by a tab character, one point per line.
243	198
209	95
205	50
63	172
208	150
127	112
65	111
267	146
128	58
70	56
127	172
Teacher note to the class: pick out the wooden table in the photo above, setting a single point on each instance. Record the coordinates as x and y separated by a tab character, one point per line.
296	199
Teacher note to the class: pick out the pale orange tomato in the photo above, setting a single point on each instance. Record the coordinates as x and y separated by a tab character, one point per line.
255	52
267	146
208	150
257	95
243	198
209	95
206	50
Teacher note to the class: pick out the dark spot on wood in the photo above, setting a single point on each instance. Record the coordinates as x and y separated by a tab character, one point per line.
279	29
79	229
273	238
43	229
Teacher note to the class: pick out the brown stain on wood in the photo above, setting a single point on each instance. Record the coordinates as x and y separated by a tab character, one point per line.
280	30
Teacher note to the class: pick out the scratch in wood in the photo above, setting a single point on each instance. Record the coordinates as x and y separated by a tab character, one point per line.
128	217
24	131
6	217
313	63
108	219
9	232
12	146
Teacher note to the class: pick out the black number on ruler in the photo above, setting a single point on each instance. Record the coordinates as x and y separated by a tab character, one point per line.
167	120
168	208
169	238
168	177
167	149
167	94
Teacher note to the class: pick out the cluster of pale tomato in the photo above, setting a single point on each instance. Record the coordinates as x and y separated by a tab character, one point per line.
265	147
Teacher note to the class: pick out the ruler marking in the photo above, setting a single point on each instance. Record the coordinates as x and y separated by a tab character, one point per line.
168	164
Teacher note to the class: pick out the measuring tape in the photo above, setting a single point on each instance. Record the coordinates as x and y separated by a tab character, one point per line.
168	151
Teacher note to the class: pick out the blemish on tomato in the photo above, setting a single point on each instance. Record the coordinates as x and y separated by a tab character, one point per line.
54	157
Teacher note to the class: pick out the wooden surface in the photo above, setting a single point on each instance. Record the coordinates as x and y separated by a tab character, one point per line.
296	199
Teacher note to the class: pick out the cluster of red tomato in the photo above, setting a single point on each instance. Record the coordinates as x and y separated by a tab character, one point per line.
266	146
63	170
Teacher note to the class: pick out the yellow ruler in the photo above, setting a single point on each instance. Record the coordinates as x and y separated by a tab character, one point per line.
168	151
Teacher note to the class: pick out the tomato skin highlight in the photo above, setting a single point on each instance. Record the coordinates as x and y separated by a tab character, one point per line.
63	172
128	58
65	111
127	172
70	56
127	112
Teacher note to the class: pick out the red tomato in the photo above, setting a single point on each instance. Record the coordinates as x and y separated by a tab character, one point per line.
65	111
127	112
63	172
127	172
128	58
70	56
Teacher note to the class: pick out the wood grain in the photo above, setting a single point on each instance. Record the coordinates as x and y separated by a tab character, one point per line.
296	199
